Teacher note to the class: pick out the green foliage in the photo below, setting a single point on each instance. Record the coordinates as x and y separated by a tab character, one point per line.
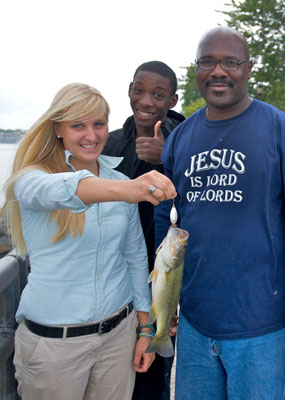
187	83
193	106
262	22
191	98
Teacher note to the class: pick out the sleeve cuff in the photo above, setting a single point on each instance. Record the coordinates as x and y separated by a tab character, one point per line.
71	182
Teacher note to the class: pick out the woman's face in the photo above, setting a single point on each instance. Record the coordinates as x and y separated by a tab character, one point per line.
85	139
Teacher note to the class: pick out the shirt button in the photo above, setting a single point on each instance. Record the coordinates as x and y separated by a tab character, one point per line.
99	307
98	278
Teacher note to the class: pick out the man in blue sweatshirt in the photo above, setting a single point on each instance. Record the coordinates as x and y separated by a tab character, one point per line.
227	162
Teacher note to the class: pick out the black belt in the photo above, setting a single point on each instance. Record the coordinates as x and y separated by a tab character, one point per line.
101	327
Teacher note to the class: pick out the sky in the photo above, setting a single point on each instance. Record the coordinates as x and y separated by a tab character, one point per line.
47	44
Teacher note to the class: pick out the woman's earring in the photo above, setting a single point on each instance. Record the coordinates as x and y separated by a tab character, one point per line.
59	136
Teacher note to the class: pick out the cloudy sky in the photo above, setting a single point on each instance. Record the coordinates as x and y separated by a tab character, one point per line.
46	44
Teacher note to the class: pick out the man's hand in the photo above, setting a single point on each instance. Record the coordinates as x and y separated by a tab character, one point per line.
149	148
173	326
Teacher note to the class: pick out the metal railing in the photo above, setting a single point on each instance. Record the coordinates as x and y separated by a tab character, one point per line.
13	278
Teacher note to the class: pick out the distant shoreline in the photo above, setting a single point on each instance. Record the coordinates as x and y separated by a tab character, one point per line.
11	136
7	153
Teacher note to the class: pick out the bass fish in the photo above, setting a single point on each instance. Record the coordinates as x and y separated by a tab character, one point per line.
166	279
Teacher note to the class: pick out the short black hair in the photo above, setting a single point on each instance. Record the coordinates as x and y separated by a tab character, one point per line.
160	68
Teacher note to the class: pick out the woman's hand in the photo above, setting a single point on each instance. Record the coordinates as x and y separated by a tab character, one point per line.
153	187
142	360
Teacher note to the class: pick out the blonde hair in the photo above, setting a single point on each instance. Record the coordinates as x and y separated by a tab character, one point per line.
41	149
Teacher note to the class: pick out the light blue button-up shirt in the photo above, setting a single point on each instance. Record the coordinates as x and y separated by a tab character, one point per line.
88	277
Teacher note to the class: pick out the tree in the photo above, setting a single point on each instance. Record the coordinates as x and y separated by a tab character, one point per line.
191	98
262	22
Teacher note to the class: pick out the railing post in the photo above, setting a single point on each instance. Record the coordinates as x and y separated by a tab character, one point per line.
13	276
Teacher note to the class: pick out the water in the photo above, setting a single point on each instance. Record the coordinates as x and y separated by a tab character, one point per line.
7	152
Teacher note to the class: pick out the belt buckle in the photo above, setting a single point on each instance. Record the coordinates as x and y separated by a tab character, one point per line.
101	328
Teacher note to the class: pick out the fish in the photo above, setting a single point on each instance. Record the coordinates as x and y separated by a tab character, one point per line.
166	279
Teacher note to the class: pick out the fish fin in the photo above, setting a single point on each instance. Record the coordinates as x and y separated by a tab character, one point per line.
162	346
157	250
152	276
168	274
160	246
151	316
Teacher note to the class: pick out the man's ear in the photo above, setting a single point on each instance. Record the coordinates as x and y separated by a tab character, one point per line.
249	69
173	101
130	89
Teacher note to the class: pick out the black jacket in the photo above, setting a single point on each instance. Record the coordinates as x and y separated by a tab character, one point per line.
121	143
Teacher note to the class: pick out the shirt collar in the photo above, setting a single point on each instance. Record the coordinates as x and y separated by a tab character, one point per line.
104	161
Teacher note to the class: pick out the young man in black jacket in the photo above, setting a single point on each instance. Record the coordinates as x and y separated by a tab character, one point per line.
152	95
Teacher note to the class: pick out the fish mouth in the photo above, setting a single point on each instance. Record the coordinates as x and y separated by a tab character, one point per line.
183	237
179	234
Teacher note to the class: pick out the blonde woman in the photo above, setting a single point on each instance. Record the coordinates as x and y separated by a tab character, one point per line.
72	214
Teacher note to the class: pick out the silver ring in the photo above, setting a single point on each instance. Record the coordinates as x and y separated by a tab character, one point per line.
151	189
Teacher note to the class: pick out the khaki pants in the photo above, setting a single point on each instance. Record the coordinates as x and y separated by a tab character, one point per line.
91	367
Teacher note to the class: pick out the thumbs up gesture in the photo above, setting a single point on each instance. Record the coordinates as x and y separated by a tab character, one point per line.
149	148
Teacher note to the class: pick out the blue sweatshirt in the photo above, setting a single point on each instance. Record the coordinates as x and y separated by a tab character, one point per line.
230	179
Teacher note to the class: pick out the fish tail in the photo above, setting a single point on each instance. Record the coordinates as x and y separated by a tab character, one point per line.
162	346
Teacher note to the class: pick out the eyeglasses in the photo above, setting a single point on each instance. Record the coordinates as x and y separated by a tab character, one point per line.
228	65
